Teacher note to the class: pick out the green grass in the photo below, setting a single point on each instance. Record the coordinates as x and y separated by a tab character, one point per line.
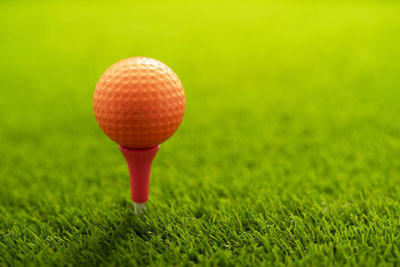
289	152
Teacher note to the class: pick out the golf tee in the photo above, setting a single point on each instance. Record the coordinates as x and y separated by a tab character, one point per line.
139	163
139	207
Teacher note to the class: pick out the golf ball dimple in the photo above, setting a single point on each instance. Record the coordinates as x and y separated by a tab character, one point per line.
139	102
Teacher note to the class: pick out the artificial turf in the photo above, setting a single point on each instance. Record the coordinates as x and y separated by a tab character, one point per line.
289	152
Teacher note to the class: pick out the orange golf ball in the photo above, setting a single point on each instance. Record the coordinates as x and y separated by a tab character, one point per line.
139	102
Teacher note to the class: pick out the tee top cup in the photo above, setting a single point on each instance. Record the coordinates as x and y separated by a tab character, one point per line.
139	103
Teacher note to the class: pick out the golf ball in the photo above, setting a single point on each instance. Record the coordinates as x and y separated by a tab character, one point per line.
139	102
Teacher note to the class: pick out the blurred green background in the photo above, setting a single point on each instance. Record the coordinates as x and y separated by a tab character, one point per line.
289	152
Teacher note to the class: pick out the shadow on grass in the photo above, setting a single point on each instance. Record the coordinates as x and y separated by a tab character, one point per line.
121	238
